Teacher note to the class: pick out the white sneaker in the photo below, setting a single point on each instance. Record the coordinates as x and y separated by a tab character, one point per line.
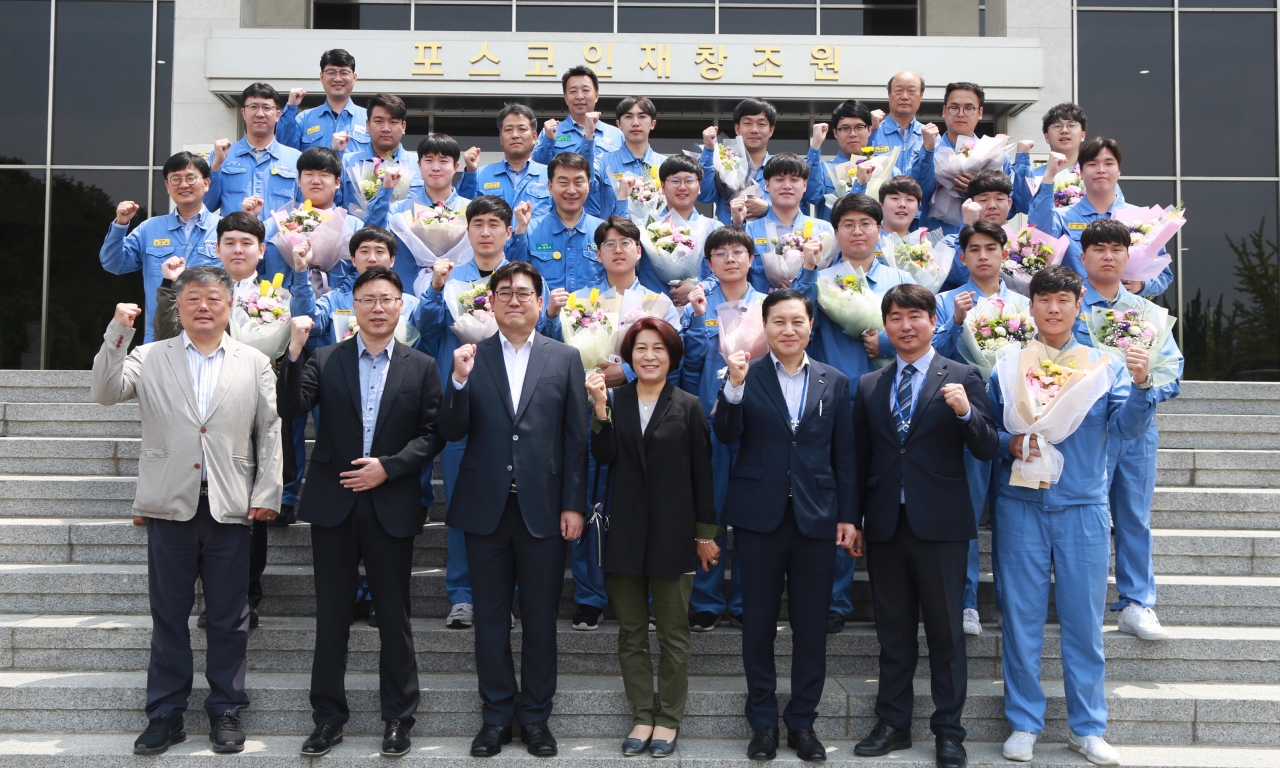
1019	746
1094	748
971	624
459	617
1142	622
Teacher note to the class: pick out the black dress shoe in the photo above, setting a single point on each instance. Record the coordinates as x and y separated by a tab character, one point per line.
882	740
395	739
764	745
488	742
162	733
288	516
662	747
322	739
806	744
634	747
253	619
951	752
373	616
835	623
539	739
226	734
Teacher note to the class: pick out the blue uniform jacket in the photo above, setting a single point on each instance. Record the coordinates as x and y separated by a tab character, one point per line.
378	215
564	256
1094	301
758	229
1021	196
408	162
498	179
946	335
604	202
569	138
275	179
1026	176
914	160
315	127
710	192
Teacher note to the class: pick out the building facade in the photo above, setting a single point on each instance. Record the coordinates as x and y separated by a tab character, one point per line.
99	92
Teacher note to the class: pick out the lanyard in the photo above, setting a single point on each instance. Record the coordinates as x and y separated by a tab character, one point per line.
804	395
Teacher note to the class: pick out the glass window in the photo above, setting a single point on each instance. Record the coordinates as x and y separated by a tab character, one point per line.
1126	3
666	2
690	21
1231	318
24	88
21	260
93	124
768	21
384	15
1226	4
868	21
1235	54
767	2
463	18
164	80
564	18
1146	193
1125	71
335	16
475	131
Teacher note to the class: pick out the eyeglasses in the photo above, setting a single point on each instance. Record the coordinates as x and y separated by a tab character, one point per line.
255	109
1070	125
683	181
845	130
968	110
505	295
177	181
609	246
333	72
370	302
860	226
737	254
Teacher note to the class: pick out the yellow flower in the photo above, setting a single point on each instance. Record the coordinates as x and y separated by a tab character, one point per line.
1056	370
653	172
277	281
264	289
868	151
306	205
808	229
573	302
1046	363
595	295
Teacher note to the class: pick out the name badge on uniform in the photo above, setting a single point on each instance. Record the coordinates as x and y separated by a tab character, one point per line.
762	241
359	131
1076	225
562	138
313	129
160	241
492	184
712	323
617	175
545	247
342	312
885	148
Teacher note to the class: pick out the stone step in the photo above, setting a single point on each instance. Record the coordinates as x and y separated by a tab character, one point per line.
1219	432
1243	398
69	420
1254	509
111	456
1218	469
44	386
594	705
285	644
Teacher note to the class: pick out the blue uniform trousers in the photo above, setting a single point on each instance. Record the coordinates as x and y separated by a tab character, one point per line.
1131	465
584	592
978	474
708	586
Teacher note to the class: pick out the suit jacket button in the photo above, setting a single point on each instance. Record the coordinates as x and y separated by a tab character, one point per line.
202	431
197	466
793	445
508	467
515	437
902	450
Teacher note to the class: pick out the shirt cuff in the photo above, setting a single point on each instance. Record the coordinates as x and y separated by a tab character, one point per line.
734	394
456	385
965	418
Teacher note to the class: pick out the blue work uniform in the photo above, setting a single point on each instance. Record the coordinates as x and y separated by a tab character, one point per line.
274	178
315	127
610	166
1060	537
914	160
1072	221
341	299
570	138
1021	197
152	243
710	190
831	345
820	183
500	179
759	230
273	261
1131	468
565	256
407	160
405	265
1028	177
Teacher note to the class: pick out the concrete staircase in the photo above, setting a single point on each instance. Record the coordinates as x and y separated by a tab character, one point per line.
75	623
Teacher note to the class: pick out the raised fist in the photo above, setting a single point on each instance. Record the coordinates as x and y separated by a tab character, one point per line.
1025	146
299	331
390	176
440	272
296	95
557	301
970	212
252	205
220	149
738	362
127	313
709	135
302	256
589	123
464	360
471	159
340	141
738	210
930	136
877	117
125	212
819	135
698	300
598	390
1057	161
172	267
549	129
964	303
524	214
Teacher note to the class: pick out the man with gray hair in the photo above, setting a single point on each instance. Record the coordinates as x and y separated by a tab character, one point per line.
210	465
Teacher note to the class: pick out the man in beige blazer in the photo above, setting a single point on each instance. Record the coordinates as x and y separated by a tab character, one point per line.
210	465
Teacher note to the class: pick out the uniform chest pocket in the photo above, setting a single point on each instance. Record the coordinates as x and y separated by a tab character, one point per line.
235	177
311	135
537	189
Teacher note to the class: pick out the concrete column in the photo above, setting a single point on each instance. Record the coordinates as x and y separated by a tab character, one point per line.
1049	20
199	118
997	18
951	18
290	14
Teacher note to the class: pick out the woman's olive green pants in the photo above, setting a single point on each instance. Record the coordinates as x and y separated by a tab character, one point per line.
630	597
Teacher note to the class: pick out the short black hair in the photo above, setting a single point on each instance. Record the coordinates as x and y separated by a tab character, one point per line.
786	164
1056	279
901	185
377	235
570	160
751	107
679	164
1107	231
489	204
579	71
440	144
1092	148
1064	111
338	58
723	236
621	224
643	102
973	88
242	222
983	227
320	159
507	274
393	104
260	89
908	296
856	203
889	87
990	180
182	160
850	108
377	272
785	294
513	108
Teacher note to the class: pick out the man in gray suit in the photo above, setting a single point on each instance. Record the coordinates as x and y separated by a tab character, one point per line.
211	464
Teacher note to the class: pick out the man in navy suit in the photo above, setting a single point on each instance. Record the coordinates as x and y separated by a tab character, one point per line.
520	400
912	422
791	494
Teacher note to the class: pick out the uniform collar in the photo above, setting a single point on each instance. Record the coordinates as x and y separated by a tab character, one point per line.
972	286
203	220
448	202
1092	298
506	167
796	223
469	272
558	226
242	148
889	125
346	108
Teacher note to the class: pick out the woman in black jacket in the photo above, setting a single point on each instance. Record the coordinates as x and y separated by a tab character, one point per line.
657	444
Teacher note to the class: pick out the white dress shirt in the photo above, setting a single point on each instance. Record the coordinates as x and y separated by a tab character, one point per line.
516	362
793	388
205	370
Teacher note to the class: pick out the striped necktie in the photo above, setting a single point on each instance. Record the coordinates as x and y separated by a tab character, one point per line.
902	413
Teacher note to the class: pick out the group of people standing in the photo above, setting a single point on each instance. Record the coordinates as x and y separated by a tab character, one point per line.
826	448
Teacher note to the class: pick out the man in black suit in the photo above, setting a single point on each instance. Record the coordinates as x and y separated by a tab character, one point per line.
791	494
912	422
363	499
520	400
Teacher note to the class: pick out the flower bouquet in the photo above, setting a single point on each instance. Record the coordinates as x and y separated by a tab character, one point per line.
364	179
589	327
741	329
1029	251
970	156
733	170
261	318
673	250
922	255
325	229
1135	323
783	262
432	232
645	199
993	330
468	303
844	175
1048	393
850	303
1067	188
1151	228
636	304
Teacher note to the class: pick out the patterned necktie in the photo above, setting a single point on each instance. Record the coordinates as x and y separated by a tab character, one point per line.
902	414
